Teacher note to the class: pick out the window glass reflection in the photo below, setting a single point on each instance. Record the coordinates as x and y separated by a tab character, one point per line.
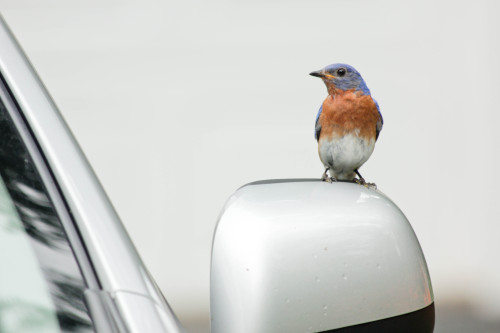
25	303
40	285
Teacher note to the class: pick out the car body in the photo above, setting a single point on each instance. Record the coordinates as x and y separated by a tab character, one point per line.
88	266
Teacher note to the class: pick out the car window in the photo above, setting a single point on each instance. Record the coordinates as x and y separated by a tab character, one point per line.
41	286
25	304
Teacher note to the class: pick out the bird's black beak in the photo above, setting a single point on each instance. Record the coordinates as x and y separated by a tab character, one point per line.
317	74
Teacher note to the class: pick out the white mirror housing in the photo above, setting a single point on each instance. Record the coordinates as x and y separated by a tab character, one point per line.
309	256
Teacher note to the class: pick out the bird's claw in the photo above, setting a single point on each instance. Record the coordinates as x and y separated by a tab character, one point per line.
327	179
330	180
324	177
361	181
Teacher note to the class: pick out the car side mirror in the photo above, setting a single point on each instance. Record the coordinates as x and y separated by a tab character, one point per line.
308	256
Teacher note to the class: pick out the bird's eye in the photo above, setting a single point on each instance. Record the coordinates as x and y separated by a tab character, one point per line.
341	72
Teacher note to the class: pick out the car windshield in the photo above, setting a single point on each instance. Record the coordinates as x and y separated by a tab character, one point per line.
41	286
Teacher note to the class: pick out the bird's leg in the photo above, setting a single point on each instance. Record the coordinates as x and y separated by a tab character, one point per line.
361	181
325	177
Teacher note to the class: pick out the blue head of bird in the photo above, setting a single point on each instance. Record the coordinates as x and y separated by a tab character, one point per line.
341	77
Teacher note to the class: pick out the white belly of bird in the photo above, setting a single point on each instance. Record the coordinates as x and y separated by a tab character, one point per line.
345	154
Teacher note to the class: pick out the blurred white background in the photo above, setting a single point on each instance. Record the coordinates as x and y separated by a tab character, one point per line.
177	104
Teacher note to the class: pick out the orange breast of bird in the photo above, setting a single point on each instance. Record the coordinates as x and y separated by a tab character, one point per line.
349	113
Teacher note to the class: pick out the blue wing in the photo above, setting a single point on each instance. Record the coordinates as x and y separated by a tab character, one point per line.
380	123
317	129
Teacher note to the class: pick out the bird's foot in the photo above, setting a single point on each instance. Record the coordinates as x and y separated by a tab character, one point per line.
324	177
330	180
327	179
361	181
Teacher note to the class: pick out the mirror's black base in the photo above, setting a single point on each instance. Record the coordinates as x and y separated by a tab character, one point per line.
420	321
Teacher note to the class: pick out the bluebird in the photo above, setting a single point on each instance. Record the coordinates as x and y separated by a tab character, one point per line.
347	125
